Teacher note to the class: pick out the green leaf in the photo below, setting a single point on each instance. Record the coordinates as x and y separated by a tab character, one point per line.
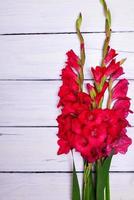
75	185
106	164
100	182
102	177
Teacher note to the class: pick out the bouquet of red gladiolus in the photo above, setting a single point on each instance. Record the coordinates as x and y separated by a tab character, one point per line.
85	125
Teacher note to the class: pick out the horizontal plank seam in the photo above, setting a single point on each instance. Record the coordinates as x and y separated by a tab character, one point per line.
45	80
64	33
34	126
12	79
53	172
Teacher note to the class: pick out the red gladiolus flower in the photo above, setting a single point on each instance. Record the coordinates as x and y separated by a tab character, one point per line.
64	147
112	67
98	73
123	106
100	95
121	145
120	89
73	60
84	126
93	120
118	73
68	75
110	55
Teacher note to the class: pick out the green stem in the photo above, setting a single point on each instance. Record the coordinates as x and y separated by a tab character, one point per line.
109	101
82	51
107	31
107	189
102	169
99	182
88	187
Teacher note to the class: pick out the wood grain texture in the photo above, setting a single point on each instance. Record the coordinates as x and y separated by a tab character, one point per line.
29	71
34	103
42	57
59	16
34	149
56	186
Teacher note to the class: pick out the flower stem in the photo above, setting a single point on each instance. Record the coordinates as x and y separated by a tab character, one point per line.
88	192
82	50
99	182
109	101
107	189
107	31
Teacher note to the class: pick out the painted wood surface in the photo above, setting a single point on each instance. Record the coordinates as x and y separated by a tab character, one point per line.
34	37
43	56
34	149
56	186
34	103
35	16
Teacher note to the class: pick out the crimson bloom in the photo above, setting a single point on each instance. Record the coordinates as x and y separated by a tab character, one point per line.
110	55
83	125
120	89
93	119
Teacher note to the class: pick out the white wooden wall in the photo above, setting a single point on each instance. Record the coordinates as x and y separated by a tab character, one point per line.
34	36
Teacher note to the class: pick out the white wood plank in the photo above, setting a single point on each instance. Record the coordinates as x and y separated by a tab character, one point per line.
56	186
52	15
34	103
35	149
42	57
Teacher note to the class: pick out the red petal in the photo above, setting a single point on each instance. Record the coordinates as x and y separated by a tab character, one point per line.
122	144
120	89
73	60
64	148
111	54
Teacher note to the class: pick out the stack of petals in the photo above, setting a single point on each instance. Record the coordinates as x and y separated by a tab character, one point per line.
84	125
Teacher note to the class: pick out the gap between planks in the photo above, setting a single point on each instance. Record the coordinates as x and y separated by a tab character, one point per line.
35	126
64	33
59	172
46	80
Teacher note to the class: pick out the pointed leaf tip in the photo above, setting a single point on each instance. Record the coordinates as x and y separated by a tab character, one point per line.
75	184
